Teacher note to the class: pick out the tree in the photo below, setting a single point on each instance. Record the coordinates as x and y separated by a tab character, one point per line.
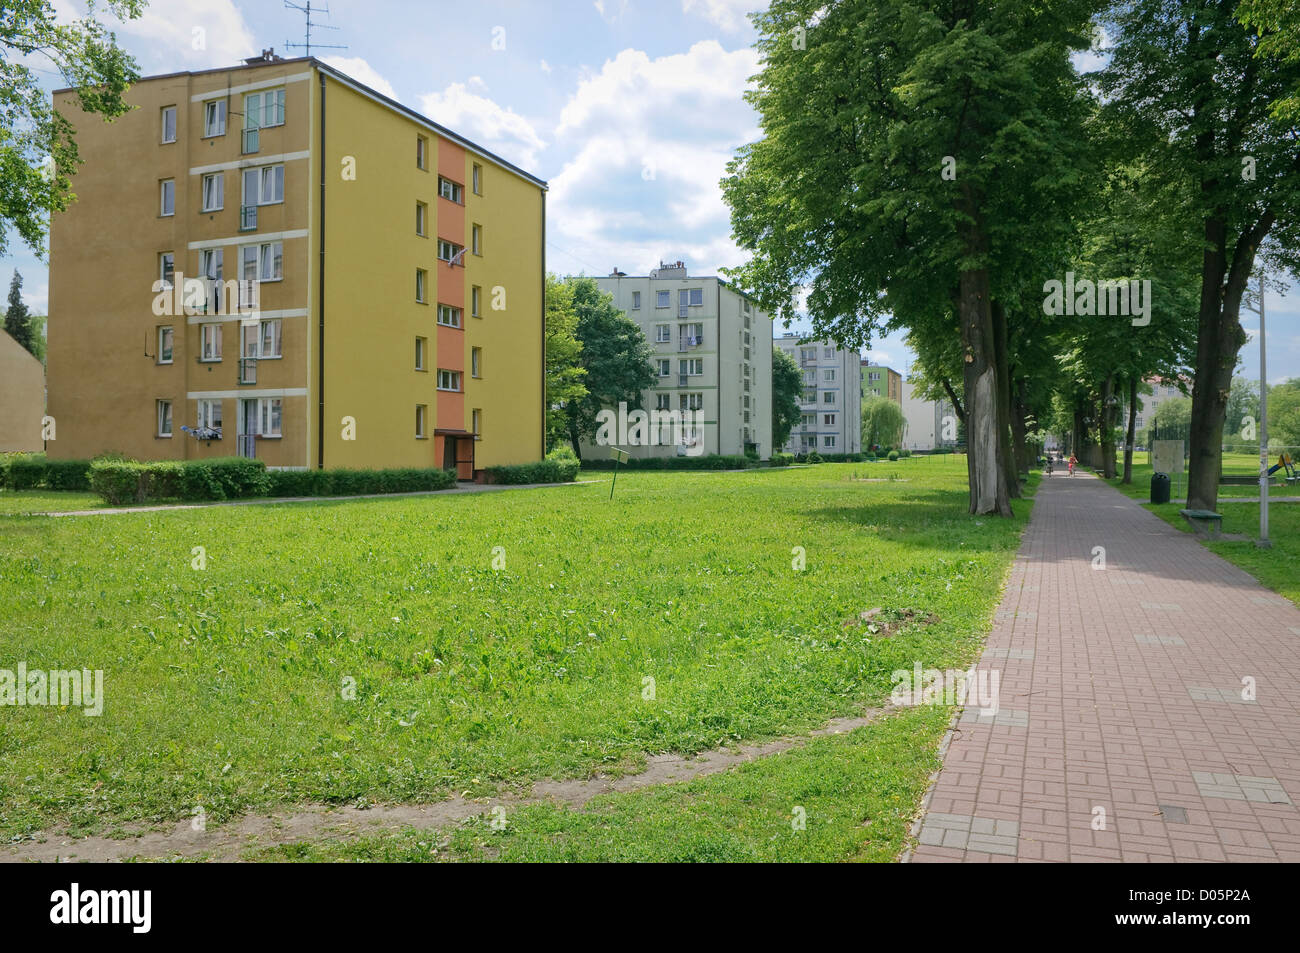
1284	416
913	153
564	370
787	388
18	323
1278	23
38	151
1187	88
1241	420
883	423
615	355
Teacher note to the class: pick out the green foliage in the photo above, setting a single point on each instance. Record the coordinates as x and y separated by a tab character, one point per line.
18	320
615	355
88	59
787	388
358	482
813	457
893	456
27	471
565	374
782	459
1278	24
560	466
705	461
882	422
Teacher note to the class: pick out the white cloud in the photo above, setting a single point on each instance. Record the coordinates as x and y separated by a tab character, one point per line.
362	72
609	12
546	67
652	140
727	14
185	35
483	121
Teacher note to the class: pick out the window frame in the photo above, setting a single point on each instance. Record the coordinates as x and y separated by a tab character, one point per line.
202	419
421	286
210	129
159	406
457	190
421	349
210	330
164	194
476	363
455	381
166	332
455	316
220	179
163	114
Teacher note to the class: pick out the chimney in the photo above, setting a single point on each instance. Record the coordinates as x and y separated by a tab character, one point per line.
267	56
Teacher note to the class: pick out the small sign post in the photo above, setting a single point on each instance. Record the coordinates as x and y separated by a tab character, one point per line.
619	456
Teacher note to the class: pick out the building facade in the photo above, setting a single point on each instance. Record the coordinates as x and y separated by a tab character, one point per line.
830	411
22	397
928	424
712	359
881	381
276	261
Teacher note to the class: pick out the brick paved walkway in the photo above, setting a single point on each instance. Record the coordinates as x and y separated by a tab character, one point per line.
1122	692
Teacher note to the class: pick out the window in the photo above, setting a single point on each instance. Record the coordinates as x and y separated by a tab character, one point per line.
691	401
663	333
209	414
449	316
828	352
166	268
662	299
214	118
263	262
169	124
451	191
264	186
449	252
693	366
167	192
476	423
476	239
810	396
828	374
697	297
478	179
449	380
164	418
476	362
270	413
807	354
210	343
420	345
828	440
828	397
422	152
636	301
421	216
828	420
421	411
421	280
264	109
270	339
665	367
664	401
475	293
214	192
210	262
166	338
810	377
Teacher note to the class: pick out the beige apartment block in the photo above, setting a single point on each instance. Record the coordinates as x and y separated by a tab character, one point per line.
22	397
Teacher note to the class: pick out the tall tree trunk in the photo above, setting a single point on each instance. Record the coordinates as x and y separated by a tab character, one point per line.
1131	431
1002	360
988	478
574	439
1108	427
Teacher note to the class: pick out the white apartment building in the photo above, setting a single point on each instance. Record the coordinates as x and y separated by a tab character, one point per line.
712	357
831	406
929	424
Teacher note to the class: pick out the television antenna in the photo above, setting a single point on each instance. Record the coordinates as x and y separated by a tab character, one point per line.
306	11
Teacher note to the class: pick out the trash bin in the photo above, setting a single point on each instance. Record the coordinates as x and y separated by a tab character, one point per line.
1160	488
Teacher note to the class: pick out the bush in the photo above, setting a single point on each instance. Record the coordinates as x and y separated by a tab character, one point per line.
782	459
560	466
813	457
712	461
904	452
26	471
358	482
893	456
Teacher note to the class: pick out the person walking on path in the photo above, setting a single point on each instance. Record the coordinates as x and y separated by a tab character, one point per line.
1073	461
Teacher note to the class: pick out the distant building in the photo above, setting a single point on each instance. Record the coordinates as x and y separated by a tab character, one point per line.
929	425
831	408
712	359
22	397
881	381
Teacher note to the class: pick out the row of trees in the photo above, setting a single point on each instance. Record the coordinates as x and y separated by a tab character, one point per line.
933	167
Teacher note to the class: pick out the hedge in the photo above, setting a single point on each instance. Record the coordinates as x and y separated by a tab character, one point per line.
222	478
543	471
782	459
712	461
27	471
358	482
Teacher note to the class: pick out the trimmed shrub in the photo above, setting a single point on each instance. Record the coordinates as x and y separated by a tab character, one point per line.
357	482
813	457
712	461
904	452
560	466
782	459
26	471
67	474
893	456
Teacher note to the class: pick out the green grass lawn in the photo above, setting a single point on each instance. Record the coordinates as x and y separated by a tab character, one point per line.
224	687
47	501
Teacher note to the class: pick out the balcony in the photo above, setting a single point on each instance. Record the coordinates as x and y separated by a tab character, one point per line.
251	141
247	218
248	370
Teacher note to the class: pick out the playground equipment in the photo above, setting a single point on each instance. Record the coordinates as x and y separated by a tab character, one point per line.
1286	464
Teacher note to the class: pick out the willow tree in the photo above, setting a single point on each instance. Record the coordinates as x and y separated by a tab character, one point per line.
910	152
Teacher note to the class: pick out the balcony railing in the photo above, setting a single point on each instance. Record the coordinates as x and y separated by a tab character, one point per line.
248	370
247	218
248	445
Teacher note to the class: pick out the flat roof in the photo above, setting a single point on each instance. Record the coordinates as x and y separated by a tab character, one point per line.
362	88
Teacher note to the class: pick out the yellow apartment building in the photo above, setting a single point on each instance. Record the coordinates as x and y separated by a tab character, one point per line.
276	261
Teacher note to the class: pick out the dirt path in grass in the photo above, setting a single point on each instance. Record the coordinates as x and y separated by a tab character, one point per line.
228	842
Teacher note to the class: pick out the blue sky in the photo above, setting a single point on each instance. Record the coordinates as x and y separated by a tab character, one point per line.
630	109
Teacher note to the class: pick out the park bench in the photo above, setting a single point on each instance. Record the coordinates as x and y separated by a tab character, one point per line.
1205	522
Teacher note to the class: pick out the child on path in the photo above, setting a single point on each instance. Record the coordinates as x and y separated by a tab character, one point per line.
1073	461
